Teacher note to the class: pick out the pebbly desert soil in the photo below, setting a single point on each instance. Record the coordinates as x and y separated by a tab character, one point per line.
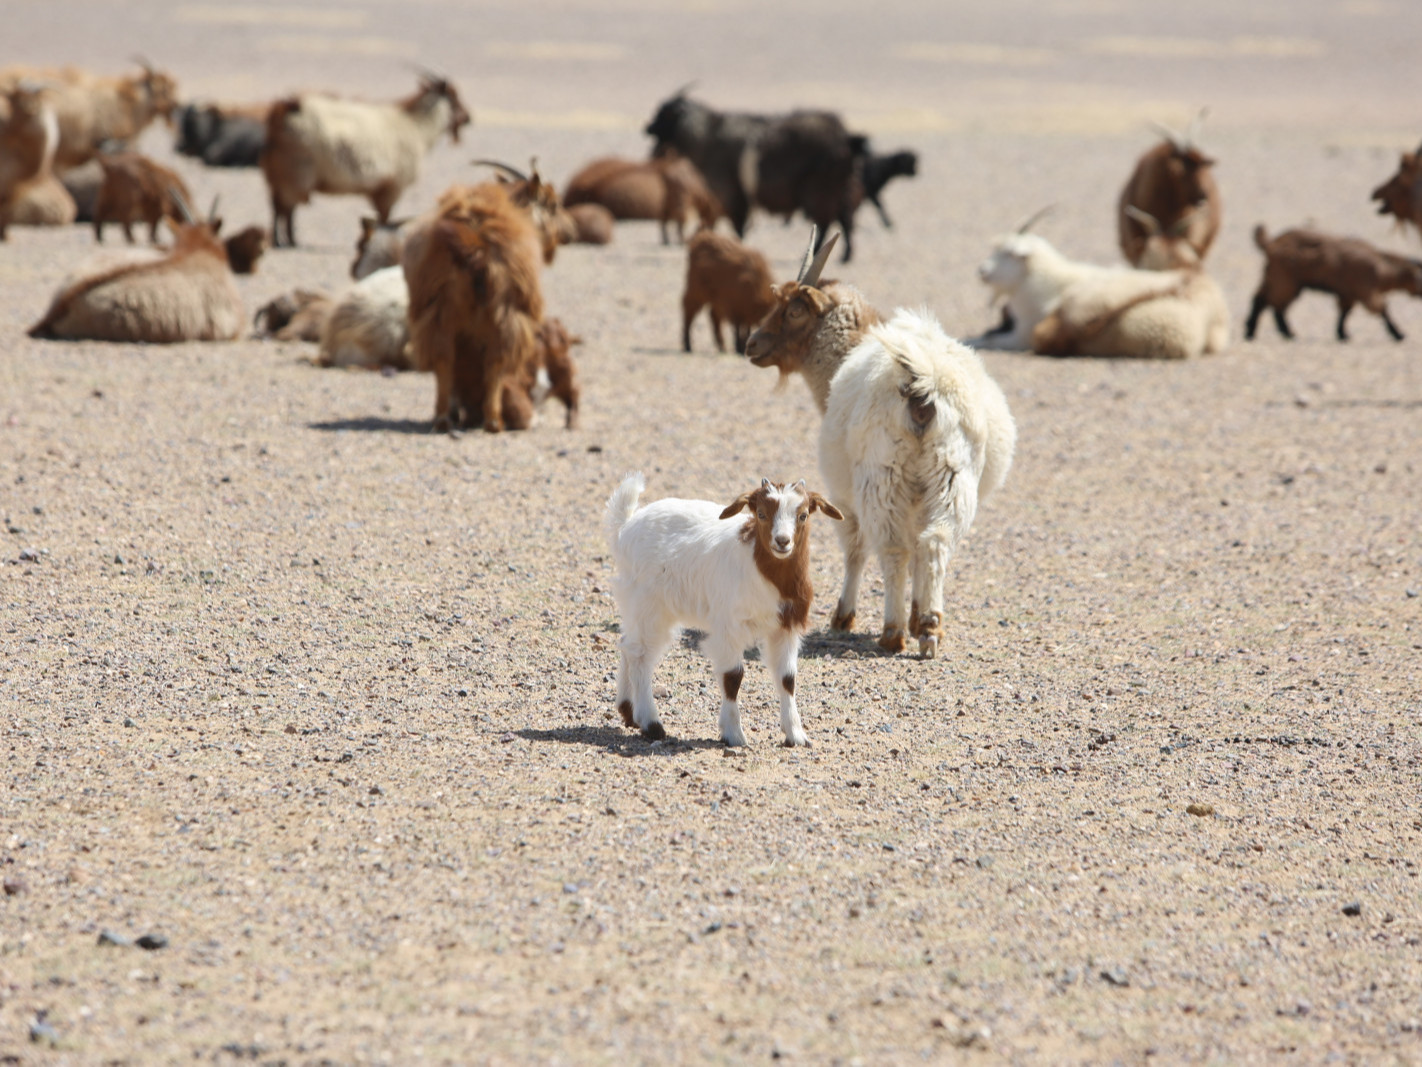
326	700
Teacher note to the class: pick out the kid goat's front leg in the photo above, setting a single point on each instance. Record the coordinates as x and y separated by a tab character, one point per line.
726	662
783	653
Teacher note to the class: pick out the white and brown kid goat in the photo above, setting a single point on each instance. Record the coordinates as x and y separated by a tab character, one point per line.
745	581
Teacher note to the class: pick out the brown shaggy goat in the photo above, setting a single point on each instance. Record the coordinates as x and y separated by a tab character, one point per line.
590	224
1173	182
136	189
733	279
1401	195
1352	270
245	248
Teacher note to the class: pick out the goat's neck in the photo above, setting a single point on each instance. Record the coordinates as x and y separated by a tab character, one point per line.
842	328
431	117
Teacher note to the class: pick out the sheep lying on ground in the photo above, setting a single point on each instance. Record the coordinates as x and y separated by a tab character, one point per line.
744	581
188	294
1352	270
733	279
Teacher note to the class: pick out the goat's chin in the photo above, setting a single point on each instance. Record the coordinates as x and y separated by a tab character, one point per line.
781	553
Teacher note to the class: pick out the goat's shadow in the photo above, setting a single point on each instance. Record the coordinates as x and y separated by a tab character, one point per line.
618	741
821	644
373	424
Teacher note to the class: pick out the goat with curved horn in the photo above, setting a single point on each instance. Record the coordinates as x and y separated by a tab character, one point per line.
181	203
513	172
1036	217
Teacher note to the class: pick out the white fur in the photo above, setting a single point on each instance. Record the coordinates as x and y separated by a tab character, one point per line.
369	325
680	564
909	492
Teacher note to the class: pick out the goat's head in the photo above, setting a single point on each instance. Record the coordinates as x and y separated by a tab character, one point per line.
378	245
784	336
159	88
1010	261
1168	249
1401	195
539	198
437	87
670	121
780	516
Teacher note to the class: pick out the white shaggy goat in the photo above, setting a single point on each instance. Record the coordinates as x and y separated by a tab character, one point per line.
324	144
144	296
369	326
694	563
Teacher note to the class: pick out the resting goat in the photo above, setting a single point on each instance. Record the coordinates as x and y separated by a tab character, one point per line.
915	434
1352	270
744	581
369	324
222	136
299	315
733	279
323	144
667	189
28	135
139	296
803	161
1171	182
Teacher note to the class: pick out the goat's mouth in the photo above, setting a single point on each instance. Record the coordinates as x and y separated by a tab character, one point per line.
782	553
760	359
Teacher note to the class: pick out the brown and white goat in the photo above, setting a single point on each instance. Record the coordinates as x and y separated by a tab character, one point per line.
667	189
136	189
1351	269
745	582
1172	183
472	267
379	245
1401	195
325	144
28	135
733	279
93	110
140	296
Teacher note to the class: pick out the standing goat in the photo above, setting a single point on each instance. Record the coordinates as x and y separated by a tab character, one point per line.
475	299
733	279
140	296
136	189
93	111
28	136
1173	181
324	144
745	582
1352	270
803	161
915	434
872	172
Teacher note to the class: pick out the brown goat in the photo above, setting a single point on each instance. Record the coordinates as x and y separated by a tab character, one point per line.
299	315
92	110
733	279
1401	195
136	189
475	298
667	189
27	141
1172	182
1351	269
245	248
589	224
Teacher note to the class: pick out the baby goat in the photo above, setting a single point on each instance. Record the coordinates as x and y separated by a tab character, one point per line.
1351	269
745	582
136	189
733	279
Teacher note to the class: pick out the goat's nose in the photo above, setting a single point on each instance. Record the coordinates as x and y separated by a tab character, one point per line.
782	541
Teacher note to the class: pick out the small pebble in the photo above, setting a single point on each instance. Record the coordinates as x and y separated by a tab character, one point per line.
42	1031
1355	908
152	942
14	885
129	723
1116	976
108	937
985	862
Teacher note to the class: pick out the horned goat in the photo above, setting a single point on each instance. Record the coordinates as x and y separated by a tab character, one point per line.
1172	182
475	298
1351	269
324	144
733	279
743	581
94	111
28	135
188	294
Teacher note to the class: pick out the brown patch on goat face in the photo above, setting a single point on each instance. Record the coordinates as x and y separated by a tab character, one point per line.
789	575
731	682
625	707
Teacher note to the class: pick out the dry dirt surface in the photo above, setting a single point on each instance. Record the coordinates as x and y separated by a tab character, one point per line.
325	700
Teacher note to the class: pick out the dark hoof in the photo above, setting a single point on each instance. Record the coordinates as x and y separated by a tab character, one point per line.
625	707
654	732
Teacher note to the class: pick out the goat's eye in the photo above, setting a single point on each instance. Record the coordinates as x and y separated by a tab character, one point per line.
803	516
760	515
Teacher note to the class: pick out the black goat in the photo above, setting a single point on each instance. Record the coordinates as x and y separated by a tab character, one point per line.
221	137
803	161
874	172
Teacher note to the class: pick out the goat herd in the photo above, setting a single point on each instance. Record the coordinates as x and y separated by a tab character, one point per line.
914	431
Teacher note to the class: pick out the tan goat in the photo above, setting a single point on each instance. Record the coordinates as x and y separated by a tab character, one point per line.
136	189
733	279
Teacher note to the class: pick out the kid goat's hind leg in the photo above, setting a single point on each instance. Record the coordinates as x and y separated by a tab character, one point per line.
640	656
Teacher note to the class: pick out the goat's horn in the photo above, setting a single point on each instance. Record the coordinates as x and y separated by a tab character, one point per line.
684	89
1145	218
533	168
1182	224
424	72
809	256
1194	128
1032	220
143	62
1166	132
812	276
512	172
212	211
182	205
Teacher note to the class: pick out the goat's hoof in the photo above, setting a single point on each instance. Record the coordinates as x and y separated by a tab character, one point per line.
653	731
842	621
892	639
442	424
796	742
625	708
738	741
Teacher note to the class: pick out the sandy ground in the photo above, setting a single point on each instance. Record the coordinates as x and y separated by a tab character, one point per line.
326	700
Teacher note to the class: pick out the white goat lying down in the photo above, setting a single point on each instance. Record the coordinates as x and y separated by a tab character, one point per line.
744	581
915	435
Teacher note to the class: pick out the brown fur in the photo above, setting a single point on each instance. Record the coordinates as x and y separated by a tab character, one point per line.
731	682
791	575
136	189
1169	183
245	248
299	315
24	144
1401	195
733	279
42	201
667	189
589	224
1351	269
810	331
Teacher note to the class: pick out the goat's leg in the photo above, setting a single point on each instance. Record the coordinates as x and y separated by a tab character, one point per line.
716	330
930	576
783	652
726	662
641	654
851	539
894	562
691	306
1344	307
127	231
1391	326
1255	310
383	198
1283	323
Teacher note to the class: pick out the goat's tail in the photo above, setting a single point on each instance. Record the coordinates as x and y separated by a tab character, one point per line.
620	506
1261	237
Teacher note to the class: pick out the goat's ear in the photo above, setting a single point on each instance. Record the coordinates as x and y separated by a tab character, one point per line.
819	503
736	505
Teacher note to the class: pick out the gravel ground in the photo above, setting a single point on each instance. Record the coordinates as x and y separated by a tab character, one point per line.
326	700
